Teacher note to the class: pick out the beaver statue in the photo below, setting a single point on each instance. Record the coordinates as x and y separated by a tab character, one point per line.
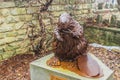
71	45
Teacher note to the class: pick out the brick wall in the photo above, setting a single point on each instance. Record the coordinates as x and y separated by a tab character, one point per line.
13	29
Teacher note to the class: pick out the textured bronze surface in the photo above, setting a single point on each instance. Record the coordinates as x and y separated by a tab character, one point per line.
70	41
89	66
70	48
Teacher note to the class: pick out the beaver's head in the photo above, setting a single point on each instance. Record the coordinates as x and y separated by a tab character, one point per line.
64	20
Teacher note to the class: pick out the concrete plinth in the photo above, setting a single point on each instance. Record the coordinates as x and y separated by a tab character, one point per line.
40	71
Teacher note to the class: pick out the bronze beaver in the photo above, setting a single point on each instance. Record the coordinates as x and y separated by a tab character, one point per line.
71	45
70	41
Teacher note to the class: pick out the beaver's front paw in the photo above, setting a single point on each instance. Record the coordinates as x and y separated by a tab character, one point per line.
54	61
59	38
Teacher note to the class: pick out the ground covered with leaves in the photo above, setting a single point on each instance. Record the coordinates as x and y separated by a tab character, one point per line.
17	67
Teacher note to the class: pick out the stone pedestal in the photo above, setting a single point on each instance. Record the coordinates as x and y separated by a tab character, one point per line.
40	71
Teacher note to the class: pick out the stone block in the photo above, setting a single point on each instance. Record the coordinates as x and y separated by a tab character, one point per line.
20	38
46	21
20	18
56	8
21	32
31	10
50	8
2	50
11	34
2	35
79	7
45	15
18	25
21	3
37	4
72	1
28	17
64	1
35	16
89	6
7	4
35	22
19	51
5	12
56	1
1	58
18	11
7	54
56	14
10	19
78	12
40	71
55	20
6	27
25	43
85	6
7	40
14	19
18	45
11	47
10	39
25	26
2	19
85	11
49	28
22	50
